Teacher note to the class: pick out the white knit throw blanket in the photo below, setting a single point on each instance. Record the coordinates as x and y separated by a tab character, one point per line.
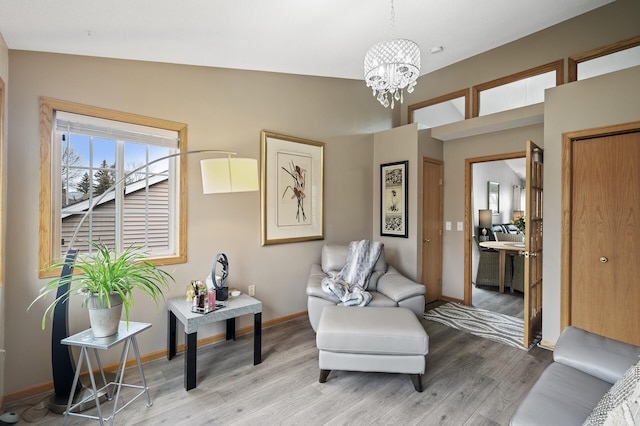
350	284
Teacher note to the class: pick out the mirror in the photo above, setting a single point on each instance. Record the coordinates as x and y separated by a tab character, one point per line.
493	192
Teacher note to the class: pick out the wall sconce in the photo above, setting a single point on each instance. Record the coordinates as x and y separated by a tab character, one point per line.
485	222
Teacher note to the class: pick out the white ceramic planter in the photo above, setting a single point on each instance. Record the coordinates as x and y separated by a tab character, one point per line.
104	321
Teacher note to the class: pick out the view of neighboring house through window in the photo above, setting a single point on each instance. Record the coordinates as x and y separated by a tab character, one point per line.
113	174
96	154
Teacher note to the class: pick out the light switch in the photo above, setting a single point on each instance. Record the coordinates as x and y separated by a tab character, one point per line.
460	226
447	226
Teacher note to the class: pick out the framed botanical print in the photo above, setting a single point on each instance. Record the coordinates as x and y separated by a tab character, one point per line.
394	199
292	189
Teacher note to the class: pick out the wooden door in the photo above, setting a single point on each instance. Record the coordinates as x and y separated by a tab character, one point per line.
605	236
533	245
432	216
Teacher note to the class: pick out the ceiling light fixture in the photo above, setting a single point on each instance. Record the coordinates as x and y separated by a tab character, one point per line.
391	66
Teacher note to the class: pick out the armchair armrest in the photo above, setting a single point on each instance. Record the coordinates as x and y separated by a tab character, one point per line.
314	284
598	356
398	287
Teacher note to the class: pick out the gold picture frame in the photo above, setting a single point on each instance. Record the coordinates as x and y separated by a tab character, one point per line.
291	189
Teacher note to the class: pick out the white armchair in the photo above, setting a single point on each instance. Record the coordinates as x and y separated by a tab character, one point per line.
387	286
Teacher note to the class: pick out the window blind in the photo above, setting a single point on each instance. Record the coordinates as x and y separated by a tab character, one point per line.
115	130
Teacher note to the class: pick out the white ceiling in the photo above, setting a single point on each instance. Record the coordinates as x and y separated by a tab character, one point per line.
312	37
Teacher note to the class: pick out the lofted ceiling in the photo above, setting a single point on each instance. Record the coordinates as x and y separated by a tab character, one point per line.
311	37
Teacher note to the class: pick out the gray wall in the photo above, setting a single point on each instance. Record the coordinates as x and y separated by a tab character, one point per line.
608	24
600	101
224	109
455	153
391	146
494	171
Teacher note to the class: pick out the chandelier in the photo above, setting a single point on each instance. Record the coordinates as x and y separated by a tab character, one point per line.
390	67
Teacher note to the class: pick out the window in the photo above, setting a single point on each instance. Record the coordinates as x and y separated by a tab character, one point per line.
107	169
442	110
517	90
614	57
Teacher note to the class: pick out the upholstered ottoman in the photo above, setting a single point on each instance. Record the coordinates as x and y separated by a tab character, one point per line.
387	340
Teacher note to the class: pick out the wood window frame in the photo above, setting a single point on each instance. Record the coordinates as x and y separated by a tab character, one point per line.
48	106
557	66
464	93
619	46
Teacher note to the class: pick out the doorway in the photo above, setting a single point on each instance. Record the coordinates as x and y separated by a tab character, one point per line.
496	191
602	237
432	216
533	241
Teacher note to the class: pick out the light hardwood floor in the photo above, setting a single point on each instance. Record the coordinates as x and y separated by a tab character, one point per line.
490	299
468	381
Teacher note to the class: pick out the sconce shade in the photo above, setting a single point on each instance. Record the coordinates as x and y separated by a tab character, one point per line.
485	218
220	175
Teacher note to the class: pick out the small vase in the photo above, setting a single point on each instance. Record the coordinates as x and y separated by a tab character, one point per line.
104	321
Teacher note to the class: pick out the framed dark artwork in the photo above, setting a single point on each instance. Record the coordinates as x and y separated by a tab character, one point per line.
292	189
394	199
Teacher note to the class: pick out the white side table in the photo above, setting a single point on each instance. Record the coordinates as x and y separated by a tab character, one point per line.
180	309
85	340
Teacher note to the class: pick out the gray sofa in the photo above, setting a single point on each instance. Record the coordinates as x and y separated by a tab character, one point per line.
387	286
585	367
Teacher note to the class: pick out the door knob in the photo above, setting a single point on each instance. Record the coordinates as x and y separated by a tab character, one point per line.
603	259
427	240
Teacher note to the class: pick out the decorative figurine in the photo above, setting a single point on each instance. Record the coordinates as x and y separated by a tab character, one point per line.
220	281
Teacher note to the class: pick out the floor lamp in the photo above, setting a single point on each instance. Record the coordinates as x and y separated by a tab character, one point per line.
219	175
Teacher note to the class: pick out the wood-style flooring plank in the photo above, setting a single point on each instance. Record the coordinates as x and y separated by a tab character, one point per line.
468	380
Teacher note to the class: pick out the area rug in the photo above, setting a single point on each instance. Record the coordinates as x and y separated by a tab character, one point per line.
479	322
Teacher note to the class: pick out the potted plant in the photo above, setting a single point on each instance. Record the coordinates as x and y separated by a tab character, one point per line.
107	280
519	223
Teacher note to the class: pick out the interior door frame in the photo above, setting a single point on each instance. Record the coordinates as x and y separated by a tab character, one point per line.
2	229
439	164
468	179
567	190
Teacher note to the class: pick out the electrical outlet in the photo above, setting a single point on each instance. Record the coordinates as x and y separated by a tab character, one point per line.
251	291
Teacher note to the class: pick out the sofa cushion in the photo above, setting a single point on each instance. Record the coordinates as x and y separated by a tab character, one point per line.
621	392
561	396
334	256
381	301
627	413
398	287
600	356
